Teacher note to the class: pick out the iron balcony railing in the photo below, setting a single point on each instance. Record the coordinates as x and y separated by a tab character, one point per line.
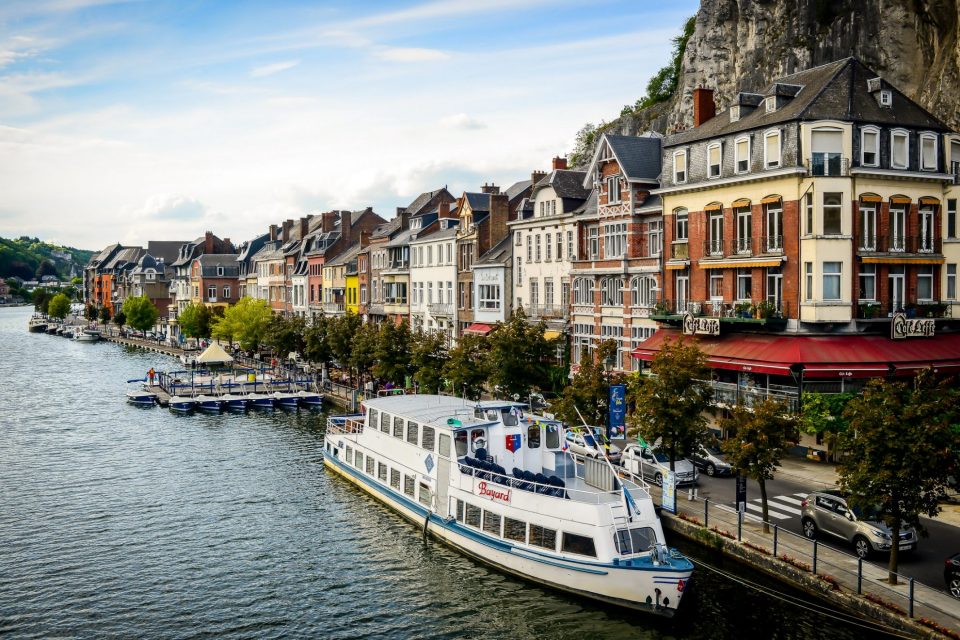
743	246
546	311
877	310
899	243
728	310
730	394
828	164
440	309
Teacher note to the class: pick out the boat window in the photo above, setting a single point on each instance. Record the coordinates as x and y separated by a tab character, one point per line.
382	471
395	478
372	418
369	466
429	433
413	432
493	414
553	436
460	504
477	440
349	455
425	494
509	418
478	413
543	537
514	530
491	523
460	440
444	445
408	485
384	423
397	427
533	437
359	464
636	540
581	545
472	516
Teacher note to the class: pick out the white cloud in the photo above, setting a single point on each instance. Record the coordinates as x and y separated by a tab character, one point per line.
270	69
410	54
462	121
171	207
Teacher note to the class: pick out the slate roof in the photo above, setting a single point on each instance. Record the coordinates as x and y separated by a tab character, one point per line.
218	260
387	229
517	188
566	182
104	255
638	156
346	256
478	201
126	256
589	206
836	91
500	254
441	234
423	200
402	238
167	250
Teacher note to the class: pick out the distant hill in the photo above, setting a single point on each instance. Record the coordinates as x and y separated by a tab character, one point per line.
23	256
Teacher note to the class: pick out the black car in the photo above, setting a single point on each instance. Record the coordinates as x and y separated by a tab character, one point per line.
951	575
710	460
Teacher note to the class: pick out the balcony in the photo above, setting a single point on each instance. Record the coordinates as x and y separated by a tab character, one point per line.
769	313
375	309
743	247
918	309
546	311
828	164
899	244
333	307
438	309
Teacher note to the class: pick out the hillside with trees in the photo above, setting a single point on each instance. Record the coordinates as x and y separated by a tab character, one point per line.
30	258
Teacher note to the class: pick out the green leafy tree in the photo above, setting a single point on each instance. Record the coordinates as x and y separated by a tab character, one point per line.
120	318
519	356
822	414
140	312
59	306
589	391
46	268
76	281
245	322
583	144
900	448
195	321
467	369
340	333
428	357
90	312
393	352
317	347
105	315
41	299
669	406
762	434
363	350
286	335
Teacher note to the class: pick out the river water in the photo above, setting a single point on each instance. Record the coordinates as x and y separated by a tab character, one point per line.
117	521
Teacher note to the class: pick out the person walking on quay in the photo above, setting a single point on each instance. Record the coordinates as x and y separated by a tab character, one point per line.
151	374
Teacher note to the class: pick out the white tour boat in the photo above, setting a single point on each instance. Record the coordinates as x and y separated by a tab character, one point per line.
500	487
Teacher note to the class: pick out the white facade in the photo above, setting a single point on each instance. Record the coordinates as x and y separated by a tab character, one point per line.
299	305
491	293
433	281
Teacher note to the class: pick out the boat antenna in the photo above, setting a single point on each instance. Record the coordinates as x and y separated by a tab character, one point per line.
628	502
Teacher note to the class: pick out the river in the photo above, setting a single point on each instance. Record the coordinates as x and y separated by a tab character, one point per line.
118	521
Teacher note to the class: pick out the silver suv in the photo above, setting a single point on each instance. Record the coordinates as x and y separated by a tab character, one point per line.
827	511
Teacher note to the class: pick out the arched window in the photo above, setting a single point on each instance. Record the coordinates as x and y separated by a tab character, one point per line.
582	291
642	291
611	292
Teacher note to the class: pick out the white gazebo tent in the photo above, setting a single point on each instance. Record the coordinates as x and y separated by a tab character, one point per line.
214	354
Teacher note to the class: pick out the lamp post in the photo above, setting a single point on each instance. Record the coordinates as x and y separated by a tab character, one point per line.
607	368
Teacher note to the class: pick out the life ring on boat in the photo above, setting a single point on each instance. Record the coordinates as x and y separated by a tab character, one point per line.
479	443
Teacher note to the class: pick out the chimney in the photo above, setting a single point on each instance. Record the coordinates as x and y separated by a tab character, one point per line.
704	108
404	219
208	242
287	228
443	209
489	188
499	215
559	163
536	177
304	227
273	233
346	227
364	238
328	221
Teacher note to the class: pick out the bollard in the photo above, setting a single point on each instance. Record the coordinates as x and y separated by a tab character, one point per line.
690	494
814	557
911	598
859	576
776	530
739	526
706	513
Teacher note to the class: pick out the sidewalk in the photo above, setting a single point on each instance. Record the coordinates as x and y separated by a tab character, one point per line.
823	475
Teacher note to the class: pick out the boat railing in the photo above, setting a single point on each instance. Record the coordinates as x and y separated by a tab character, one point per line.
391	392
345	424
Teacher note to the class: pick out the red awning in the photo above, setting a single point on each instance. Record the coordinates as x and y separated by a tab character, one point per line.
478	328
835	356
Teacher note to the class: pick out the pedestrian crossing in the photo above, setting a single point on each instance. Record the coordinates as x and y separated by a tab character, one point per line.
779	508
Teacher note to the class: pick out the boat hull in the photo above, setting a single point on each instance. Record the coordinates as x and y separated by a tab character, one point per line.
210	406
264	403
182	406
142	399
619	585
237	404
287	402
311	399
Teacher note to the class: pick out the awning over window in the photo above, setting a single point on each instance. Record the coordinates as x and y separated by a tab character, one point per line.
900	200
713	207
742	202
729	264
893	260
929	200
478	328
550	334
771	200
870	198
836	356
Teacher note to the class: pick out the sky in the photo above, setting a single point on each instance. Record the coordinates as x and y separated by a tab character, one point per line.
128	121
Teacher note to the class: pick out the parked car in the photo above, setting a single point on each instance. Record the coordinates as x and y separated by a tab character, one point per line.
828	512
592	443
651	464
711	461
951	575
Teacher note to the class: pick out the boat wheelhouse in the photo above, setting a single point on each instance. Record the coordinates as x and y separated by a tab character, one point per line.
499	486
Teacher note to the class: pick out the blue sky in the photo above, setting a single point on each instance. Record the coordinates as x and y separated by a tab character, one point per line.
136	120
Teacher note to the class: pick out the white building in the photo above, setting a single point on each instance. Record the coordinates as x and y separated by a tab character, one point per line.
433	274
493	286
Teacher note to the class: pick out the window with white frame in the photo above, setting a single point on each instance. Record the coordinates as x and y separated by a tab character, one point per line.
548	292
808	281
583	291
615	240
559	237
870	146
741	154
771	149
564	293
593	242
899	149
529	248
713	160
774	225
925	282
615	333
679	167
548	246
951	282
928	152
580	342
832	214
832	273
637	336
489	297
868	282
951	218
613	189
643	291
716	284
226	292
537	250
654	238
744	285
363	294
519	272
519	239
534	292
211	292
611	292
681	221
808	206
571	247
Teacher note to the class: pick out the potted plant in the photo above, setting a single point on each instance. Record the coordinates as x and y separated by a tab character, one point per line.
911	310
868	310
764	309
742	310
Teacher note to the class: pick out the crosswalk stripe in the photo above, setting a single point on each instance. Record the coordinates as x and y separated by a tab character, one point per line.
795	501
771	512
746	516
802	495
772	502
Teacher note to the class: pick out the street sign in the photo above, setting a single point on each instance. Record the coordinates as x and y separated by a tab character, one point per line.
618	411
741	493
669	501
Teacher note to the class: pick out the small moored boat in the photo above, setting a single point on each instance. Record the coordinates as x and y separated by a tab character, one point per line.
141	397
261	401
211	404
37	324
310	398
286	399
182	404
235	401
86	335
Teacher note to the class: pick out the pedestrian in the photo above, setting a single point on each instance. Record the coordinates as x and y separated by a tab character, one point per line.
150	375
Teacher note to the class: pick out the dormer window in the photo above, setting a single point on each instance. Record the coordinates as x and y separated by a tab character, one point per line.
870	146
899	149
680	167
741	152
713	160
613	189
770	104
928	152
415	223
734	113
219	271
886	98
771	149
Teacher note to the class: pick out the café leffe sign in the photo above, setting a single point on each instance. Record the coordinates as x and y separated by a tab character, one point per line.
904	327
700	326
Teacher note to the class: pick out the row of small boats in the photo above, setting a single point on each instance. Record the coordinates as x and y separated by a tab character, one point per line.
79	333
231	401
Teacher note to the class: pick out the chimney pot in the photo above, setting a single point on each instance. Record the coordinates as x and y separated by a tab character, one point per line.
490	188
559	163
704	108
